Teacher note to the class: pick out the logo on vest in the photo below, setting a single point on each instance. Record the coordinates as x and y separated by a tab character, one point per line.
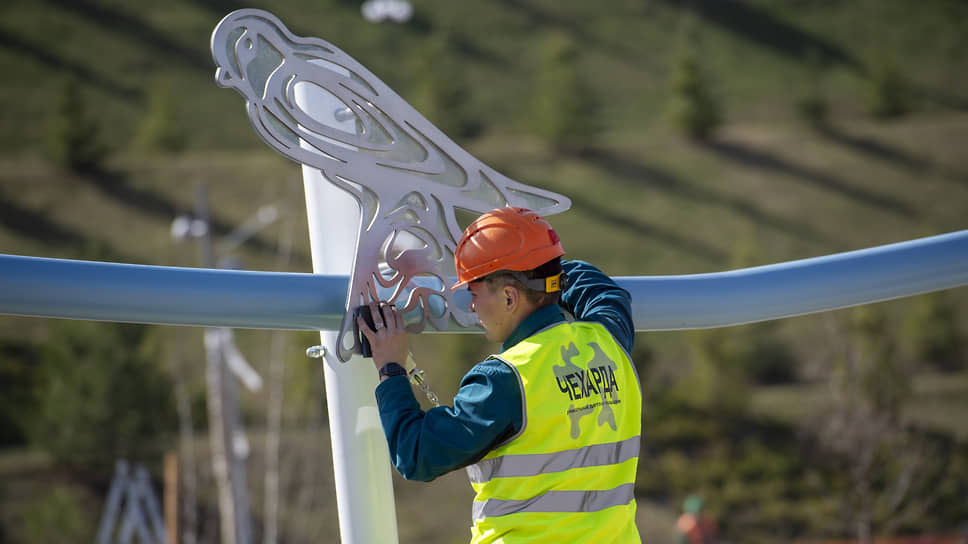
596	380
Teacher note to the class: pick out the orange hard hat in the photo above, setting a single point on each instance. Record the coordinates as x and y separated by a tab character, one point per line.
515	239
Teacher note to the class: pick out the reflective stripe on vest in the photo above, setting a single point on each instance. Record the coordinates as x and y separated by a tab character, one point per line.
557	501
596	455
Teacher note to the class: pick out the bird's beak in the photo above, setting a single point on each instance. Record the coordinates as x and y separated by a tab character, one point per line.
223	77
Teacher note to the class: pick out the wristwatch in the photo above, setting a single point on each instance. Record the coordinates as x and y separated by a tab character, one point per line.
392	369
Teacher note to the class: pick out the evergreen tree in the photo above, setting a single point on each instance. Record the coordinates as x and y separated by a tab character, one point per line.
812	104
104	397
73	134
564	111
889	470
888	94
759	350
18	381
716	380
692	108
58	516
159	129
933	330
439	90
884	382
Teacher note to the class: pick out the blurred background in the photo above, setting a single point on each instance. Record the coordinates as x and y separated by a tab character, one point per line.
692	136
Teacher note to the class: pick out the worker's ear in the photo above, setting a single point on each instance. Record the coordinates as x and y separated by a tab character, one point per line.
512	297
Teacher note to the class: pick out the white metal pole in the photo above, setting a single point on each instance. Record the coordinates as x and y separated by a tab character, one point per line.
364	488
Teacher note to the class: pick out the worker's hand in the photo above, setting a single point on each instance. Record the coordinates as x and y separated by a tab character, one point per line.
388	341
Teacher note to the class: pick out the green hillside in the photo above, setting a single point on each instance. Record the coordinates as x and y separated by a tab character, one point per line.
765	187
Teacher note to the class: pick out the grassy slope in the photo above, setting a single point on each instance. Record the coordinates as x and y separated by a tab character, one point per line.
665	206
637	242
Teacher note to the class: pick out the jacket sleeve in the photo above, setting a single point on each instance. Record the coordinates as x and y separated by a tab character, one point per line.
590	295
425	445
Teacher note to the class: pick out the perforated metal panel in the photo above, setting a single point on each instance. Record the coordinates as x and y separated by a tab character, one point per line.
407	176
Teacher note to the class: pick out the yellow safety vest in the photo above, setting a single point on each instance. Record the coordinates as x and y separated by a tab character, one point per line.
569	474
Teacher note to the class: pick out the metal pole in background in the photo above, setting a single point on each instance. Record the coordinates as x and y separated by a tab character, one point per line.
228	467
274	402
361	464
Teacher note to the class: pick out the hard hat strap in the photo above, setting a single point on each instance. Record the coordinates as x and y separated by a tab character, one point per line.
550	284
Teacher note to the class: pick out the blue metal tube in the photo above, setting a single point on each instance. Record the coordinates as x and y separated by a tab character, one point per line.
41	287
799	287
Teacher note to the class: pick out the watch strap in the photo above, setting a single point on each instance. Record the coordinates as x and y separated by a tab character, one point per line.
392	369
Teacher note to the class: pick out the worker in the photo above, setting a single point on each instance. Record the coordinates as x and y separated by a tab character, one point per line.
695	526
549	428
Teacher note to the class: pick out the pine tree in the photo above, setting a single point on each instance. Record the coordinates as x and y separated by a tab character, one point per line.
159	129
564	111
888	95
933	330
716	380
104	397
439	90
692	108
73	134
812	104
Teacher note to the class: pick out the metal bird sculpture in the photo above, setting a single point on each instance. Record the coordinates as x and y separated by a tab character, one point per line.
407	176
